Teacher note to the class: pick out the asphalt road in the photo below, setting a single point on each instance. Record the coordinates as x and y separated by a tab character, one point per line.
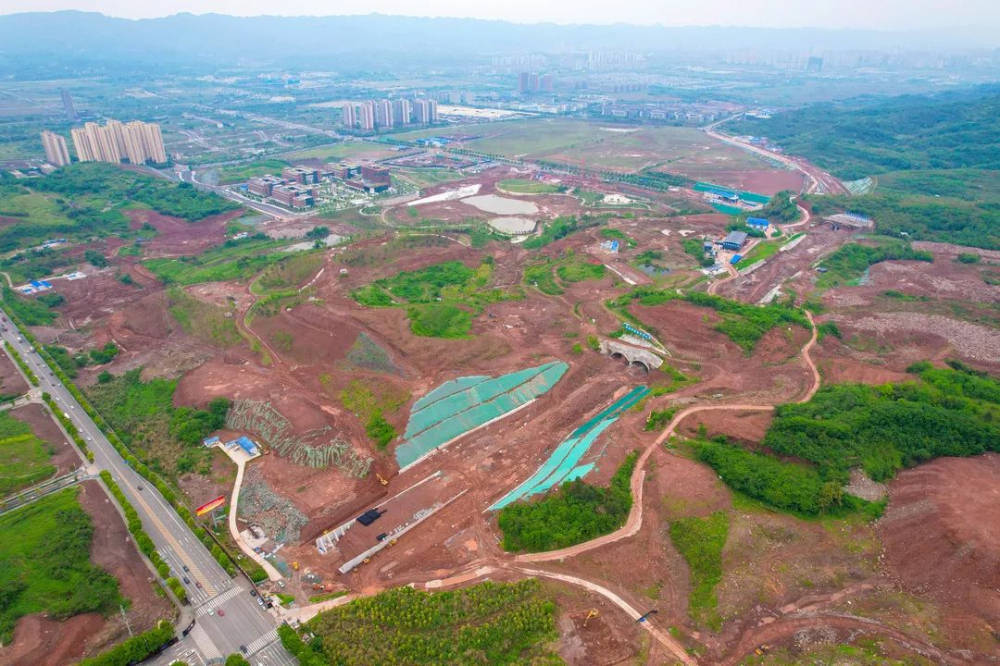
243	622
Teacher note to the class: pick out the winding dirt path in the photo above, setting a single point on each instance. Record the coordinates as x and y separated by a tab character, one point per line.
786	627
733	274
634	522
662	637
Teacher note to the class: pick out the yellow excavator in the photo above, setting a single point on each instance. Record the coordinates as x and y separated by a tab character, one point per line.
592	614
382	479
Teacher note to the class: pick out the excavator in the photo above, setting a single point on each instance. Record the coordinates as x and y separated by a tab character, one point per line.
592	614
382	479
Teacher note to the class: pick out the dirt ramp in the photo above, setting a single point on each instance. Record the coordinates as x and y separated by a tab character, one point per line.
942	532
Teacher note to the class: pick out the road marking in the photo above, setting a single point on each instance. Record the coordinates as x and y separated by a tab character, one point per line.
218	600
178	550
260	643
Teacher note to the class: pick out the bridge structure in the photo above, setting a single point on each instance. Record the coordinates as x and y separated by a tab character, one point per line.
632	356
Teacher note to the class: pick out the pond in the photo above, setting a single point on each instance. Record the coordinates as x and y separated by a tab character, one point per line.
513	226
491	203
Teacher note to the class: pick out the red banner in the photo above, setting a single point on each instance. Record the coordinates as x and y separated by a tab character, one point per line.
209	506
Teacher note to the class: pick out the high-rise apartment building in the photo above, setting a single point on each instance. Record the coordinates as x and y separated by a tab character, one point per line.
349	115
56	152
383	113
402	111
366	115
425	111
522	82
136	141
81	143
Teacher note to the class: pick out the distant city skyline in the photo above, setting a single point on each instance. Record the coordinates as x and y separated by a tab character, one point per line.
979	15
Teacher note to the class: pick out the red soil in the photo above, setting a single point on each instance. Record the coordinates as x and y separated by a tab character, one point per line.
941	538
762	181
11	381
179	237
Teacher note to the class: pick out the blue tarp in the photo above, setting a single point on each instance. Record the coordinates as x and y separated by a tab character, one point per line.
247	445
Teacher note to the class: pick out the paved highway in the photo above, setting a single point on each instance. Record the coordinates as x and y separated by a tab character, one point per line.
243	622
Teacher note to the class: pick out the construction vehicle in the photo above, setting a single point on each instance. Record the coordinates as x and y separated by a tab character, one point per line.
295	566
381	479
592	614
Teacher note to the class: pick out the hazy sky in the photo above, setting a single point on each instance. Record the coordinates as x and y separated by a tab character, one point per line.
876	14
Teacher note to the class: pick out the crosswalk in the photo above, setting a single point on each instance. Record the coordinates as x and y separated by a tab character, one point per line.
273	655
218	600
262	642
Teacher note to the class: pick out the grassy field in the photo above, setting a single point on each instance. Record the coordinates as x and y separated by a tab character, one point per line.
87	200
202	320
761	251
523	186
700	542
428	177
45	550
488	623
233	260
441	299
848	264
338	151
600	146
24	458
241	172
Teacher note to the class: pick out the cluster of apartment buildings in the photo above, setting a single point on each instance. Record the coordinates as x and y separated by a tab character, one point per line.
688	113
532	82
137	142
387	113
296	186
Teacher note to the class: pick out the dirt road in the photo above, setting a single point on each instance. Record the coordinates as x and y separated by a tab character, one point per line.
818	179
634	522
662	637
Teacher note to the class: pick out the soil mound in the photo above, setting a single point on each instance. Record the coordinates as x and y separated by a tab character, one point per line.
942	532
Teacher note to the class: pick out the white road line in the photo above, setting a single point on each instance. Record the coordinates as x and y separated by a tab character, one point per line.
262	642
218	600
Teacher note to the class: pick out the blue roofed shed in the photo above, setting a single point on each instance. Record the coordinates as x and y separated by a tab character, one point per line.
247	445
757	222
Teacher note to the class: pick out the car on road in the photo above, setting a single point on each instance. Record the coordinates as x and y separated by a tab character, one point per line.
253	592
197	584
243	649
185	567
260	602
185	579
222	613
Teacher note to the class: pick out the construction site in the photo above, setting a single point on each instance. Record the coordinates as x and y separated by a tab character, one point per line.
381	456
